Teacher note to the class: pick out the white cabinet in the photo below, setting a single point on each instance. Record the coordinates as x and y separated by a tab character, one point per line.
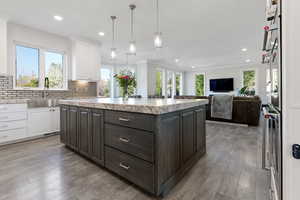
86	61
13	122
42	121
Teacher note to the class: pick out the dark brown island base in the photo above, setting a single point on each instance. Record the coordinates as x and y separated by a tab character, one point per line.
151	143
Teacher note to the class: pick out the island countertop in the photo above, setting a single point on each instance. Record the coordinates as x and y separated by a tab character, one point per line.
143	105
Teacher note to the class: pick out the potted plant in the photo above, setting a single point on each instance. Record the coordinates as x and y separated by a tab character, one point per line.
127	83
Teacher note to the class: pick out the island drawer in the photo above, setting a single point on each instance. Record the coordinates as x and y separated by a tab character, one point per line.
133	120
133	141
133	169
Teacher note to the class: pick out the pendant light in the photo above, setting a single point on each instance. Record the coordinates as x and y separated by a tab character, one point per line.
158	34
132	46
113	52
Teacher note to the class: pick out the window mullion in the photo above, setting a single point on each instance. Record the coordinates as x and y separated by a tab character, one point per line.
42	69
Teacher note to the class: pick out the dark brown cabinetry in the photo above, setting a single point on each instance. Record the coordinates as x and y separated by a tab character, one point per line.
151	151
97	136
64	124
189	136
72	141
82	131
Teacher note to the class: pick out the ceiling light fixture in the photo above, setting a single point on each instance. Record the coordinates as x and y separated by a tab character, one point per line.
193	67
177	60
157	34
248	60
113	53
132	46
244	49
58	18
101	33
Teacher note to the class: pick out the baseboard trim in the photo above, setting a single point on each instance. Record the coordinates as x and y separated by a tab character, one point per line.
28	139
226	123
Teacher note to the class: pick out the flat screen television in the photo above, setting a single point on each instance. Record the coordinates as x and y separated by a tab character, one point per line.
221	85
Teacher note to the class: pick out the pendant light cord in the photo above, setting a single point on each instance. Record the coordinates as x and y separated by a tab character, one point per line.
132	7
157	16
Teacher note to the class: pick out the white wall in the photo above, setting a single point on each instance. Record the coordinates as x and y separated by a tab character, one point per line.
142	79
25	35
3	47
223	72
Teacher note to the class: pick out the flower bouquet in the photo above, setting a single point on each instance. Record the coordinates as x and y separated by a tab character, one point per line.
127	83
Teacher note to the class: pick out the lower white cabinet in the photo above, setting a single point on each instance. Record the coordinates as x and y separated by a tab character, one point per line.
13	122
43	120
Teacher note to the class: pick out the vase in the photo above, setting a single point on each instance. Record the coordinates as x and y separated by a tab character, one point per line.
125	95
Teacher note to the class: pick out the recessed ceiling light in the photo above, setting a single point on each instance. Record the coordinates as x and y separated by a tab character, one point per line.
244	49
193	67
58	18
101	33
248	60
176	60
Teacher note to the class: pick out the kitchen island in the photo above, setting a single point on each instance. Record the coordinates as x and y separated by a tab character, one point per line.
149	142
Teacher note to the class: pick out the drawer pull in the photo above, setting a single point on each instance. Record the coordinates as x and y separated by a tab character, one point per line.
4	126
124	140
5	117
124	119
3	108
4	136
124	166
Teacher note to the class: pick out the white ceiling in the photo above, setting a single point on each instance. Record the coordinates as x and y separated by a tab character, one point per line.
200	33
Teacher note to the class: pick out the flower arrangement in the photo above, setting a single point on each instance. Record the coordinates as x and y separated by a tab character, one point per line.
127	82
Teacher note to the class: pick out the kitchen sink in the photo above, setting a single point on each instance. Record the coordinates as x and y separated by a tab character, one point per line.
39	103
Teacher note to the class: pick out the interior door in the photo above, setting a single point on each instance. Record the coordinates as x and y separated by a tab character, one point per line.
291	98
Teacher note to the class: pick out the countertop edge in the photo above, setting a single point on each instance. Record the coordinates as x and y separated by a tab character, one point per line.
146	109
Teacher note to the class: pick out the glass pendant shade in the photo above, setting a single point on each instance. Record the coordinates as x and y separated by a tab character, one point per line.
132	47
158	40
113	53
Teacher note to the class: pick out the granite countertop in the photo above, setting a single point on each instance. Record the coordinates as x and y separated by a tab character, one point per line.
144	105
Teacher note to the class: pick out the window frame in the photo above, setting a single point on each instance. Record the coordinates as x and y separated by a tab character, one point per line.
180	83
204	82
163	80
112	84
42	67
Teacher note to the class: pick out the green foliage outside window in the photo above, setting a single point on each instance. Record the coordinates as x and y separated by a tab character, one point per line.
249	79
158	88
249	83
200	85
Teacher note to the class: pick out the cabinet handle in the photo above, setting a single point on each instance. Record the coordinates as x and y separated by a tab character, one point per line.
124	140
124	119
124	166
5	136
3	108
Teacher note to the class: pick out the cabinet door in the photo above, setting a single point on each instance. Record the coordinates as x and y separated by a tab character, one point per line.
35	116
55	119
64	124
201	130
188	136
97	137
72	123
83	131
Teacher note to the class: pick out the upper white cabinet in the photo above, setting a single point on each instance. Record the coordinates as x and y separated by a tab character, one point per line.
3	47
86	61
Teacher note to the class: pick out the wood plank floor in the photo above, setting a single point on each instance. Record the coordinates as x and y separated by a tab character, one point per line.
45	170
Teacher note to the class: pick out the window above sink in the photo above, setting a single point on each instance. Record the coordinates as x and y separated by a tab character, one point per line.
33	65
